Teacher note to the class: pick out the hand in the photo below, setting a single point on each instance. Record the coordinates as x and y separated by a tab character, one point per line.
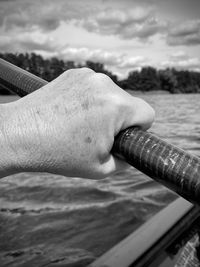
68	126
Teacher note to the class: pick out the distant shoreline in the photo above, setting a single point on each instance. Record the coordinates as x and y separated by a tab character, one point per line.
147	80
153	92
10	98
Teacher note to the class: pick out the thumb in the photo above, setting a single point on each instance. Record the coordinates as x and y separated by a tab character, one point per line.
138	113
113	165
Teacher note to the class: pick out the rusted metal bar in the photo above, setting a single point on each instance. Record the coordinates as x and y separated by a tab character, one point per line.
167	164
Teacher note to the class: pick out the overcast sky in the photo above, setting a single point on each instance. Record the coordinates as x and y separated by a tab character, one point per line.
124	35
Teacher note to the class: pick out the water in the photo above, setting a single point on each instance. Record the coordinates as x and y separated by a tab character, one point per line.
49	220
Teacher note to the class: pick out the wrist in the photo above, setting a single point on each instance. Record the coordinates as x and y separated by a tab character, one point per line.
8	155
22	136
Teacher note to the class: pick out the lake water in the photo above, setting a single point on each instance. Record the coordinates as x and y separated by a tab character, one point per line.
49	220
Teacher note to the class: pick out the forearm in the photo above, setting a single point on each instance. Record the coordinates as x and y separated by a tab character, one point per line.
20	146
25	144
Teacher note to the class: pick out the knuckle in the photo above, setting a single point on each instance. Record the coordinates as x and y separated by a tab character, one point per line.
148	111
143	104
67	73
85	70
118	101
152	113
150	116
144	113
102	77
78	71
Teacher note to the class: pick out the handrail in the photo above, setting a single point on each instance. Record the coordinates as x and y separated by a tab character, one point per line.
165	163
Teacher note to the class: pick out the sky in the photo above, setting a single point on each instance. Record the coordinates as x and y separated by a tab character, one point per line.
123	35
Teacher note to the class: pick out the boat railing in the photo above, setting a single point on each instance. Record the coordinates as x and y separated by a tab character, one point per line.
157	240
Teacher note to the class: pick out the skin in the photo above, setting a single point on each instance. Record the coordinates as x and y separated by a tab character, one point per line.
68	126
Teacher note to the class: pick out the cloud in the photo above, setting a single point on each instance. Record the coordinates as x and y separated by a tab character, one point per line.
44	14
47	15
181	60
26	15
133	62
26	26
28	42
175	7
41	43
187	33
124	63
127	24
178	55
96	55
187	64
117	61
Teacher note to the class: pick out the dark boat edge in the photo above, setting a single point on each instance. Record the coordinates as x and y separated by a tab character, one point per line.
157	240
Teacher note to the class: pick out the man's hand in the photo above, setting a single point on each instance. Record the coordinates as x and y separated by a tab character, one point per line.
68	126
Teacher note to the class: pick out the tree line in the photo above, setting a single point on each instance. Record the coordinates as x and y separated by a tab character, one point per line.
147	79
